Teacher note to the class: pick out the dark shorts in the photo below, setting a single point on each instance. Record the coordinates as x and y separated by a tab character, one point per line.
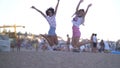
94	44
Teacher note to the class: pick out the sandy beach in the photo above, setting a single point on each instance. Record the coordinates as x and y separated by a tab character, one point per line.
57	59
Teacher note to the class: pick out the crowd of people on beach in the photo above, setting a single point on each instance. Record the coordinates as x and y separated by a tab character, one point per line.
41	44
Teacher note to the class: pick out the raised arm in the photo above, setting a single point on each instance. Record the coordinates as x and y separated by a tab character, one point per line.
77	8
39	11
56	7
87	9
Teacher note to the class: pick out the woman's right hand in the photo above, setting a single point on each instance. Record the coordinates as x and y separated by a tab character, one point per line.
81	1
33	7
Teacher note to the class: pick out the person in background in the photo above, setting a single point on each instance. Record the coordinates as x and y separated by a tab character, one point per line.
91	38
102	46
94	40
18	44
68	42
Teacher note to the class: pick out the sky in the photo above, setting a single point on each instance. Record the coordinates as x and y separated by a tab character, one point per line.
102	17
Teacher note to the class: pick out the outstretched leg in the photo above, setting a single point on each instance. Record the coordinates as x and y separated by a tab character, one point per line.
48	38
76	44
55	40
52	40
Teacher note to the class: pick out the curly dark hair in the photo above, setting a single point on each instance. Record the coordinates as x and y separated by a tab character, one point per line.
49	9
80	10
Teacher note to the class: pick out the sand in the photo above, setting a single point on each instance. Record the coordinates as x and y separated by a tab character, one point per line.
57	59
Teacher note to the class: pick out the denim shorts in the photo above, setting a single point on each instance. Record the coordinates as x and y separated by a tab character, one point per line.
52	31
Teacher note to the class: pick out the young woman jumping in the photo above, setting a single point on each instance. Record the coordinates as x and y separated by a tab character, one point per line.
79	18
50	16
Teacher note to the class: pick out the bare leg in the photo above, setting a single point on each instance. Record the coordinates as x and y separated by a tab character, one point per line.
52	40
75	44
55	40
44	47
49	39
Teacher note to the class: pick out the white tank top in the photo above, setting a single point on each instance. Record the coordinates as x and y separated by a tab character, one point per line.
51	20
77	21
